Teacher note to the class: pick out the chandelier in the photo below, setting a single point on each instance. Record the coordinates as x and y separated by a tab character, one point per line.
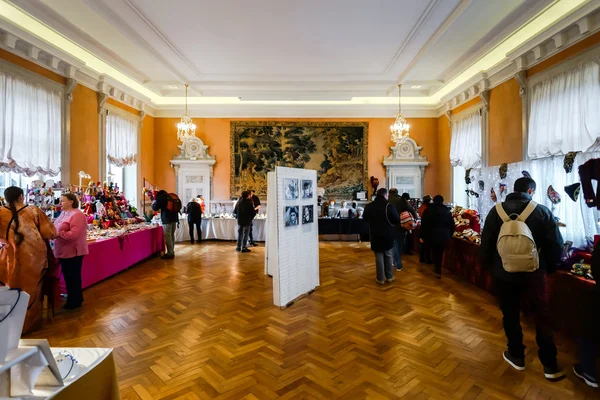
400	129
186	129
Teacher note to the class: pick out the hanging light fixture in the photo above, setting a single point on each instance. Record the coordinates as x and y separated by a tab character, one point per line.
400	129
186	129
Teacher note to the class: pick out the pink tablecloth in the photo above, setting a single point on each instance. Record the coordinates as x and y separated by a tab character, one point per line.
111	256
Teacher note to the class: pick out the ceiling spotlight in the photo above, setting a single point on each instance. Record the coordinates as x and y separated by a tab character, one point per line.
415	87
173	86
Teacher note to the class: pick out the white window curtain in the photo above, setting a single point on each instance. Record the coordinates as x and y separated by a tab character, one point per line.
465	146
579	218
30	127
564	113
121	140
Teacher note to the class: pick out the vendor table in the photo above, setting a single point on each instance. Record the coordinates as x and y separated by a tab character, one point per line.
110	256
220	229
567	293
96	380
344	226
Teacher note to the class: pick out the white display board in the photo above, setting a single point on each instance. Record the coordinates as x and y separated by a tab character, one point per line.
292	246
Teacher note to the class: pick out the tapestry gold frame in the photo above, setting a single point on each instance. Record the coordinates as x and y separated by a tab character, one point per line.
234	124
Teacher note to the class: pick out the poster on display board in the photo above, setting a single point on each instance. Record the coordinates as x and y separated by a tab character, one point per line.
292	240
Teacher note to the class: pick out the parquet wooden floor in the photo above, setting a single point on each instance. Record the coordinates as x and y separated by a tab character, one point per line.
204	327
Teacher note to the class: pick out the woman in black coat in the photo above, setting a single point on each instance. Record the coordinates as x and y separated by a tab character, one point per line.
437	228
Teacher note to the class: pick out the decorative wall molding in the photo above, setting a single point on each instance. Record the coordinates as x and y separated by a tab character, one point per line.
573	28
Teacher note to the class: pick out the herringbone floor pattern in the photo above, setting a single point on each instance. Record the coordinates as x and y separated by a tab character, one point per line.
204	327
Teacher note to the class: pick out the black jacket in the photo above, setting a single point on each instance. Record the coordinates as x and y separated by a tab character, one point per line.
548	240
194	212
244	211
381	217
437	225
160	204
401	205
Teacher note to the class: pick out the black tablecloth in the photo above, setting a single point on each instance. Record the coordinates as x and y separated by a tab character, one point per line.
343	226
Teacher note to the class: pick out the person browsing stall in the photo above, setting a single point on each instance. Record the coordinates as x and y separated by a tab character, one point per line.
70	246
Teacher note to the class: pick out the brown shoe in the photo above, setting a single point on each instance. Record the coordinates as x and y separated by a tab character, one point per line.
380	282
392	279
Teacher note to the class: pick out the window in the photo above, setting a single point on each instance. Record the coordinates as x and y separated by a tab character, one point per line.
30	128
8	179
121	152
564	113
465	146
459	196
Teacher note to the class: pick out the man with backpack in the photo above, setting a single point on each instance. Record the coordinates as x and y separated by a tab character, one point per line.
169	206
521	243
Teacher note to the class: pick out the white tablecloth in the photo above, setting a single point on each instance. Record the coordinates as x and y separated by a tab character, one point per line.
96	379
220	229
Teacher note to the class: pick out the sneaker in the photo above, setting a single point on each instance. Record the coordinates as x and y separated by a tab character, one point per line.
554	373
238	249
588	379
246	251
515	362
390	280
399	269
380	282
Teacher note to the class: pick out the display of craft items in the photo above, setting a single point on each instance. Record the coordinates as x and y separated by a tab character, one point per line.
573	191
503	189
493	194
580	269
503	171
569	160
42	197
471	192
468	177
553	195
374	184
474	219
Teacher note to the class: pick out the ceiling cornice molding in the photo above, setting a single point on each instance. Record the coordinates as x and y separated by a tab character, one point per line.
295	111
575	27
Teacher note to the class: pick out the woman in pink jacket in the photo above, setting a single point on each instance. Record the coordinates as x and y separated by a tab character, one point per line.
70	246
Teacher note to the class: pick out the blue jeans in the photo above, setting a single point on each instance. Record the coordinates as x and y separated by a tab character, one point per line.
398	248
243	233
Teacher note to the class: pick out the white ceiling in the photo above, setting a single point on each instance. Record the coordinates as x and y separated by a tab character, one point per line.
287	49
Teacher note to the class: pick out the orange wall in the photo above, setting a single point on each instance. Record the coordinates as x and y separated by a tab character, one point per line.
122	106
84	133
146	156
215	133
21	62
505	124
470	103
563	55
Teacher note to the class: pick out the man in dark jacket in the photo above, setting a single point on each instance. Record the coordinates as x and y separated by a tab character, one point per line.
256	204
437	228
169	220
381	217
244	210
401	205
511	287
194	218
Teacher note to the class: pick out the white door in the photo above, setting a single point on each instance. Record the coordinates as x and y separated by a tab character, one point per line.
406	180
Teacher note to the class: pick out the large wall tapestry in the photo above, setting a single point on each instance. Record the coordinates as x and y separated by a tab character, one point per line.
336	150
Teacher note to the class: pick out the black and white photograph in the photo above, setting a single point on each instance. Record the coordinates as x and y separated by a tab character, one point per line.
307	215
292	218
307	189
291	189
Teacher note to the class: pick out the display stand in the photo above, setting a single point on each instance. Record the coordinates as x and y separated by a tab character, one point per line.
292	246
